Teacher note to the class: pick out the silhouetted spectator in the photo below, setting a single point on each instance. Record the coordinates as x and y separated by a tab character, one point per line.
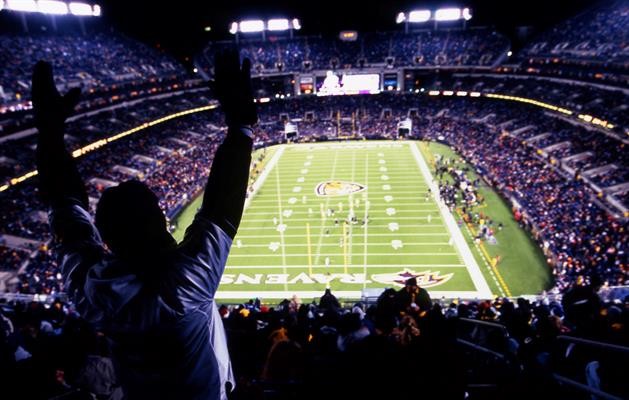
329	301
412	296
153	297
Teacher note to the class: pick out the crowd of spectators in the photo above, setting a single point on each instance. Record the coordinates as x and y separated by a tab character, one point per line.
591	46
319	347
11	259
96	60
595	34
108	66
17	156
602	103
470	47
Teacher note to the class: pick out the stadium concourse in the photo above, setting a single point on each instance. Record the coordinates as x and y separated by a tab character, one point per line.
434	154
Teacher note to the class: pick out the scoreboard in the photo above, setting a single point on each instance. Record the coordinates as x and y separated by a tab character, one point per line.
333	84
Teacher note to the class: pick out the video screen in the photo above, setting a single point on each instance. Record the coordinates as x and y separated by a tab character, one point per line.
333	85
390	82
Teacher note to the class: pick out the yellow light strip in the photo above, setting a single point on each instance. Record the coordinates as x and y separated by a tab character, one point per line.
595	121
103	142
529	101
22	178
584	117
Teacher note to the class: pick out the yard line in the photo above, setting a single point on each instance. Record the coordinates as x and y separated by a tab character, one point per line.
397	211
393	234
323	226
279	206
366	224
351	207
377	191
256	209
401	207
262	245
325	209
351	294
376	168
312	219
379	208
305	267
391	254
381	202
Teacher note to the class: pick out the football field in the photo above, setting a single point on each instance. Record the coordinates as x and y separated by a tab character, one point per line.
349	216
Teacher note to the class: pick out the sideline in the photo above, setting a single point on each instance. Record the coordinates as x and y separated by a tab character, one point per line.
481	285
264	174
343	294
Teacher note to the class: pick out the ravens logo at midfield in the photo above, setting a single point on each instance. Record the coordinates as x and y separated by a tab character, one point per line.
338	188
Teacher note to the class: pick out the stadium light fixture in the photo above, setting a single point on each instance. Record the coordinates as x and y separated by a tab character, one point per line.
271	25
467	14
448	14
81	9
22	5
277	24
419	16
233	28
442	14
52	7
250	26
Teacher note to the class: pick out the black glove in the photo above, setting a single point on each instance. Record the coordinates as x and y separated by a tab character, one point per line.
50	108
59	178
232	88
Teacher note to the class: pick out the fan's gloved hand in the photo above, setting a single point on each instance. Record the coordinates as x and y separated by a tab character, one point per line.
50	108
232	88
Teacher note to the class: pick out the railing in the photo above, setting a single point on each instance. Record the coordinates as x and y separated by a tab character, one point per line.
594	343
581	387
474	338
585	388
39	298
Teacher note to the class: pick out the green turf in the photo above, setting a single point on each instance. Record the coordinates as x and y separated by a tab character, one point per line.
265	260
